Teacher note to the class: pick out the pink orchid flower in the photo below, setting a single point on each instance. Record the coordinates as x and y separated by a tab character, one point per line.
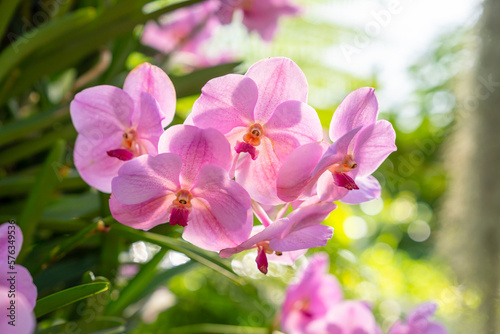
311	297
258	15
186	184
185	29
418	322
24	294
116	125
262	113
351	317
300	230
343	169
314	305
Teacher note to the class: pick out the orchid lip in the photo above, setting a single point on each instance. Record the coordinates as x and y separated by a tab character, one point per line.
181	207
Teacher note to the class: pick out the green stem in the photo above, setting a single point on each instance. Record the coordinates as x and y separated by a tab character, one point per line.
209	259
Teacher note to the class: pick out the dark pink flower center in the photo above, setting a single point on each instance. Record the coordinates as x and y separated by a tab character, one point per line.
339	170
129	149
303	306
246	148
251	139
181	207
121	154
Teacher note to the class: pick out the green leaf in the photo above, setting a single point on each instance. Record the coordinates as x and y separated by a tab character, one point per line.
65	246
217	328
7	9
44	35
22	128
22	184
29	148
191	84
68	296
73	44
209	259
100	325
46	181
134	288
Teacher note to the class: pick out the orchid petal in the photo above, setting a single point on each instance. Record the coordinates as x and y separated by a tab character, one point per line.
221	215
369	189
308	237
351	317
272	231
23	282
152	79
146	178
149	126
311	212
101	111
25	320
259	176
328	190
359	108
287	258
142	216
373	145
225	103
336	152
422	312
296	173
292	124
435	328
196	147
278	80
94	165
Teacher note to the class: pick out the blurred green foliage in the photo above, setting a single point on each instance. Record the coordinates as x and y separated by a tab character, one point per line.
381	252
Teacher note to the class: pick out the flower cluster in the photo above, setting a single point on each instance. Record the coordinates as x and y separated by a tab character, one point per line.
184	32
252	145
314	305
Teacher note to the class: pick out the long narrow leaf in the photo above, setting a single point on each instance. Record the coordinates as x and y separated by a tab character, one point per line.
19	129
65	297
40	194
25	45
7	9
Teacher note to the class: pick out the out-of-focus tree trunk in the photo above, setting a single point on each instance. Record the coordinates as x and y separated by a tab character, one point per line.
470	235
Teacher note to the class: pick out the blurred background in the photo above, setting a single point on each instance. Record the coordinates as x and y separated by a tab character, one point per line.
433	234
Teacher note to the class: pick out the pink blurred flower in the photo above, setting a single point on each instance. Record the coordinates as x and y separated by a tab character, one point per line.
24	294
258	15
186	184
116	125
185	29
310	299
262	113
418	322
343	169
314	305
300	230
